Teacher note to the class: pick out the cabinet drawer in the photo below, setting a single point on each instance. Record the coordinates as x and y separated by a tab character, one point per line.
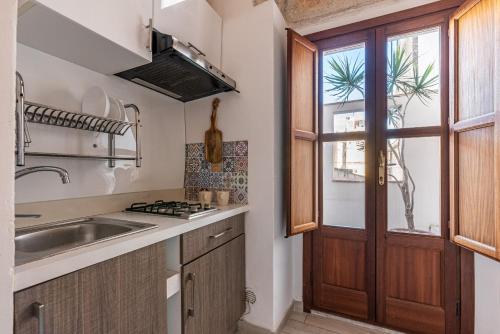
203	240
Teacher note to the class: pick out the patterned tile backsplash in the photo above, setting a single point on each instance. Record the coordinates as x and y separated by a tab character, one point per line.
231	174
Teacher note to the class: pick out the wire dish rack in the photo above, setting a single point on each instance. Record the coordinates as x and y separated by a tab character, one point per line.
41	114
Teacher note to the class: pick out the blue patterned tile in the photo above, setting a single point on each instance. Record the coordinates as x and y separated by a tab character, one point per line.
204	179
193	165
216	180
205	165
228	164
241	149
228	149
191	179
231	174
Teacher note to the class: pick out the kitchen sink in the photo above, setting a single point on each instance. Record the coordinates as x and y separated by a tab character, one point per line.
35	243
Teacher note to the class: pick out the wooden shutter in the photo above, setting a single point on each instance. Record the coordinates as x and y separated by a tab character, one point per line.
302	135
475	126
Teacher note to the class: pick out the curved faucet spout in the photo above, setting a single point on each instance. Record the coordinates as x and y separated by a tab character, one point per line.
63	173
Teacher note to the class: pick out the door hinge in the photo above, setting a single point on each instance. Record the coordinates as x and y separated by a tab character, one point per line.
458	309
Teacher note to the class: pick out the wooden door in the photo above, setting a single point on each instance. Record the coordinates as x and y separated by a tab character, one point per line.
301	142
213	288
343	261
475	127
382	252
417	274
60	300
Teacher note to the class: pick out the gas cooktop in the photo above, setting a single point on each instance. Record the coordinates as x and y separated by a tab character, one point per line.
183	210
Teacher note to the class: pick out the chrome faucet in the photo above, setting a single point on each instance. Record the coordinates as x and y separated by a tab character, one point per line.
63	173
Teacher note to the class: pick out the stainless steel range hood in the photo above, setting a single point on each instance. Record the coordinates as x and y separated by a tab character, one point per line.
179	71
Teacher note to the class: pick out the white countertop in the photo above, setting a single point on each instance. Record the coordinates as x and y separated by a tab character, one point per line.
36	272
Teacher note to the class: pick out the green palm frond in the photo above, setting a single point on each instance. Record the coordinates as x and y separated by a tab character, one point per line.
424	86
347	77
399	68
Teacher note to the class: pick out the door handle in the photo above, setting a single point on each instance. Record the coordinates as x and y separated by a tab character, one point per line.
190	311
381	168
39	310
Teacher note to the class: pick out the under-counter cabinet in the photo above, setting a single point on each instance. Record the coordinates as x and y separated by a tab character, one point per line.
213	277
124	295
105	36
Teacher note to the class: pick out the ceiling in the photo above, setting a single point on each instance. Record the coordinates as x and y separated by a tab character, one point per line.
303	12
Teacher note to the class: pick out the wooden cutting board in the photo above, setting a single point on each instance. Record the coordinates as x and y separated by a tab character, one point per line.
213	137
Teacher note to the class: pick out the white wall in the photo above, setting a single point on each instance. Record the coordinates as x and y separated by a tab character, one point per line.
52	81
8	19
253	54
283	263
487	303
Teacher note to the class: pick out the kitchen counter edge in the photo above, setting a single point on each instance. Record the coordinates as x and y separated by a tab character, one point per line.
36	272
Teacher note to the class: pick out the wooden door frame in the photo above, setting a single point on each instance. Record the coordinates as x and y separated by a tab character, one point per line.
435	10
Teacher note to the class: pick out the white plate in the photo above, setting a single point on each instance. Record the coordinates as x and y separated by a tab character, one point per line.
116	109
95	102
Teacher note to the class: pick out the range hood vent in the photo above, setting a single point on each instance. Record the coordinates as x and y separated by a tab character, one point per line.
179	72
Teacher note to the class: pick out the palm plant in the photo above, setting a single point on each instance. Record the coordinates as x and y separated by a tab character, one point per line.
403	80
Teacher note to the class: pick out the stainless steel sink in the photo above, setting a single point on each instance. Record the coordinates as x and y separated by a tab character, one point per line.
46	240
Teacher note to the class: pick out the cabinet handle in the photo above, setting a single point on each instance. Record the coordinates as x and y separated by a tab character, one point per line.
39	310
149	46
191	277
216	236
201	53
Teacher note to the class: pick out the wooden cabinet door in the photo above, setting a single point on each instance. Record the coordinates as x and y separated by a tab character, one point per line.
213	290
143	295
60	299
475	127
99	293
124	295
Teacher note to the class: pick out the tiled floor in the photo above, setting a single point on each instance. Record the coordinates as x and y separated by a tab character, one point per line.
304	323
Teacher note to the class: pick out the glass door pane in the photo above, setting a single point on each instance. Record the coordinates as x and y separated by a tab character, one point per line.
413	185
344	89
344	184
413	82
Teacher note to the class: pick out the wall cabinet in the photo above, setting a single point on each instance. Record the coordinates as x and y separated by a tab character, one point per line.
214	283
475	127
124	295
106	36
195	22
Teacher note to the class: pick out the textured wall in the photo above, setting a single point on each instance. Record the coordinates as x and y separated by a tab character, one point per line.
303	12
307	16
